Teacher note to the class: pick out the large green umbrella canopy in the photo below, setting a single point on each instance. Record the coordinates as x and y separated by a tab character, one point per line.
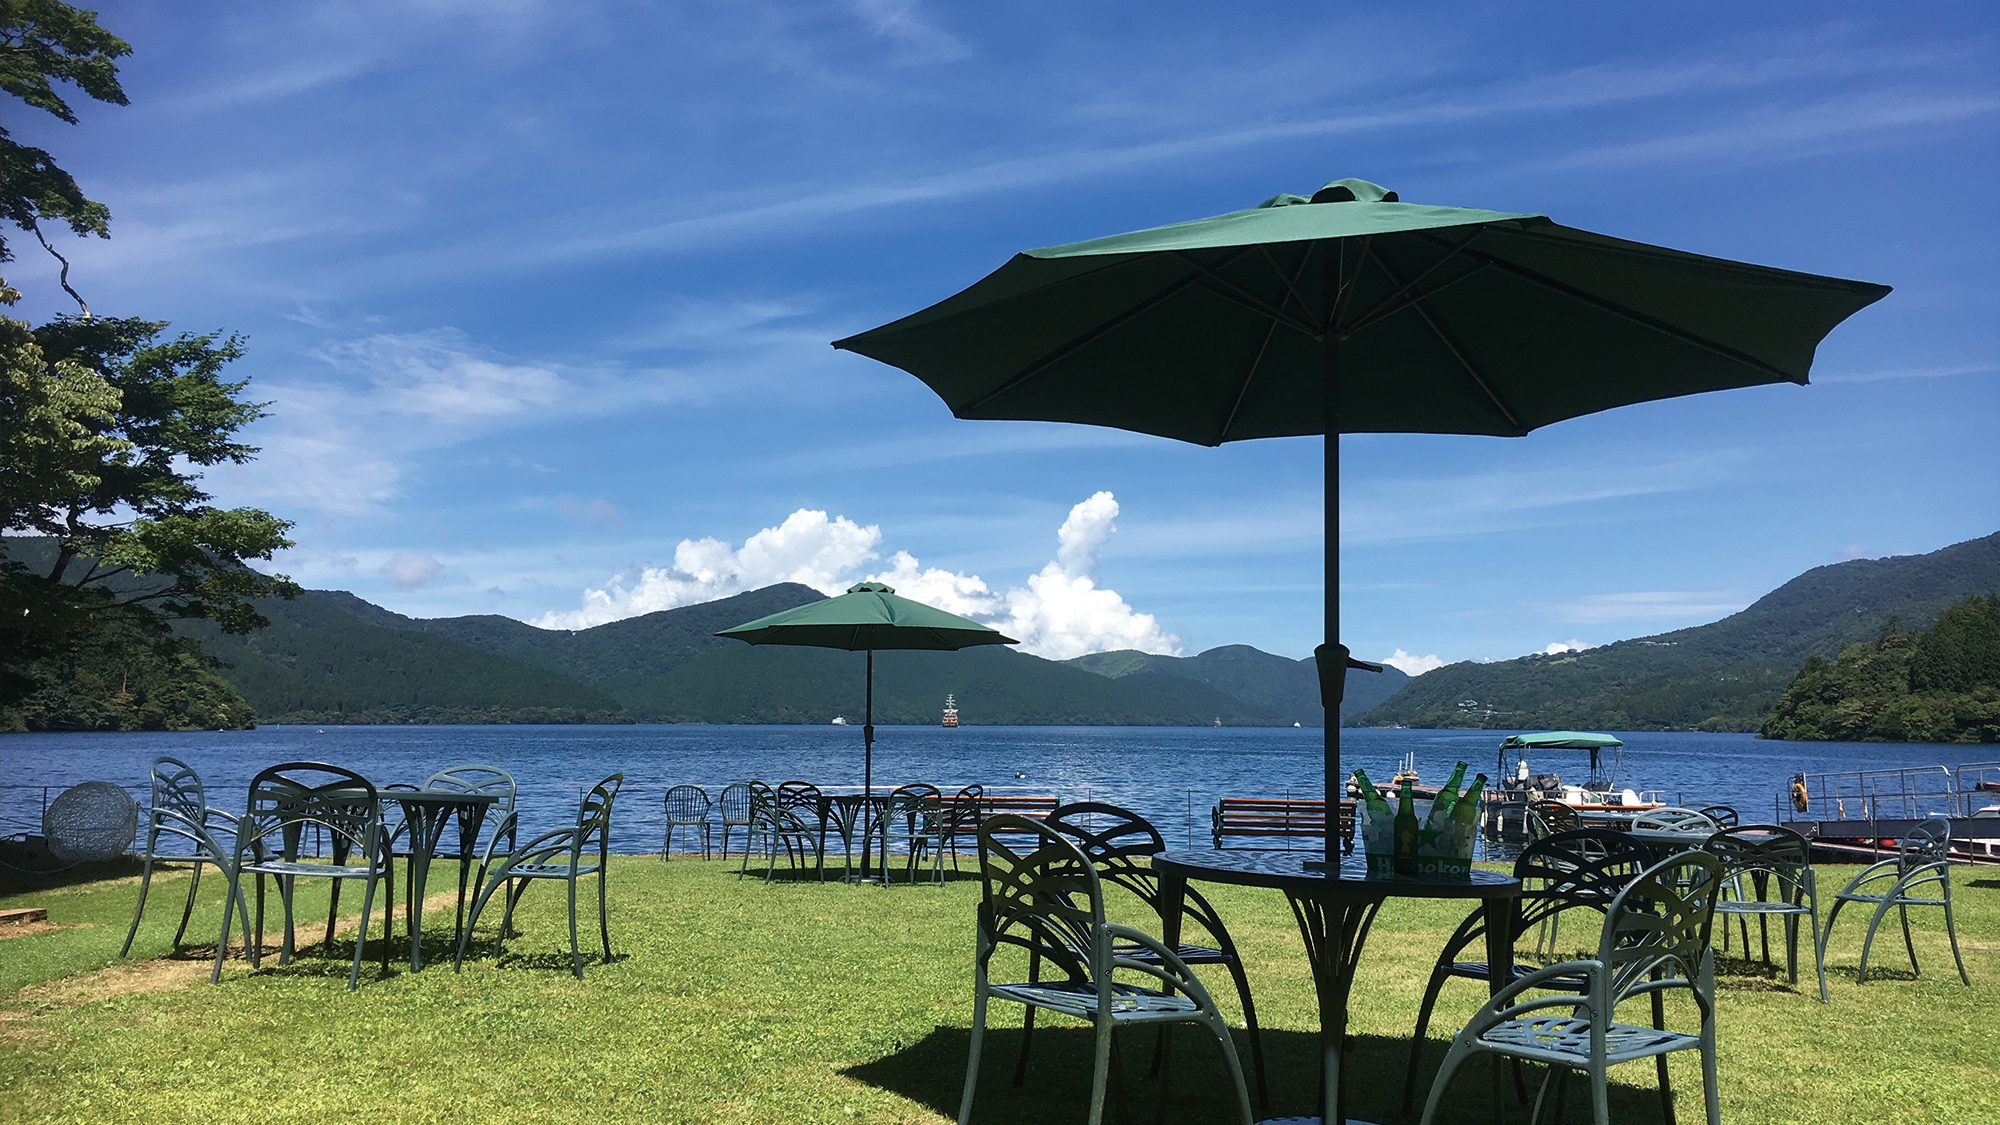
1353	312
867	617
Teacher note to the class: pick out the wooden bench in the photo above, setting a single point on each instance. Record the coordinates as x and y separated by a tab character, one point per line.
958	826
1278	818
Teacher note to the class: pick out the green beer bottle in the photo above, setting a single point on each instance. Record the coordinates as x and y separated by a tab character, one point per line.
1467	809
1370	796
1406	832
1447	797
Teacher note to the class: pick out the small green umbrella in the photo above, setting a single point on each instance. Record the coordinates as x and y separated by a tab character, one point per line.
867	617
1353	312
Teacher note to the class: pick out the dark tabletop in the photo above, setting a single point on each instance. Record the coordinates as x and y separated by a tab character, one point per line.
1286	871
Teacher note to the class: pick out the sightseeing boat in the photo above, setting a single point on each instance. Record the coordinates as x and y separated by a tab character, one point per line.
950	710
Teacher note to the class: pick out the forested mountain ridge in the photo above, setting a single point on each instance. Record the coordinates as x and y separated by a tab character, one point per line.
1724	675
1288	689
1938	685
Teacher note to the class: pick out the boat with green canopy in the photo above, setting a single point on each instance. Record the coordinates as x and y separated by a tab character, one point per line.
1600	798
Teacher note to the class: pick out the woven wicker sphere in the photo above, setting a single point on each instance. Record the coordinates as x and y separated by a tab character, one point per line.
89	822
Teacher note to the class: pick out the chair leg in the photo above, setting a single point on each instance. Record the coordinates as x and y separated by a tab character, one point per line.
1221	1029
1431	990
1452	1058
1257	1036
222	939
145	881
479	899
603	911
361	935
1659	1061
1868	939
575	955
1600	1086
187	912
1951	932
972	1056
1100	1068
1908	943
1028	1019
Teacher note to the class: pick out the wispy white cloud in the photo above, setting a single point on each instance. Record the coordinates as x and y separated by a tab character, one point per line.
915	31
411	569
1421	510
1650	605
1932	372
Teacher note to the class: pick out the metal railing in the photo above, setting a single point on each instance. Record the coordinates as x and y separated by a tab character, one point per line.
1908	793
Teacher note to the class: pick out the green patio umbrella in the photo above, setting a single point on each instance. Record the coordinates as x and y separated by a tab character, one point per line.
1353	312
867	617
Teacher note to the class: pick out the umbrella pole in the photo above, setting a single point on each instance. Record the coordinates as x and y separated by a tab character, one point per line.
1335	677
868	772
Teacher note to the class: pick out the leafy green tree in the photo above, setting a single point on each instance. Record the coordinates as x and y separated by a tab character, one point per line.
45	44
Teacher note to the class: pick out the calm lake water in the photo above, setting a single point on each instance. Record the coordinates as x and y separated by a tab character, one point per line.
1171	774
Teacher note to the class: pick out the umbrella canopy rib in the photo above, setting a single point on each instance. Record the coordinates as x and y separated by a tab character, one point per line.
1627	313
1242	390
1063	352
1222	287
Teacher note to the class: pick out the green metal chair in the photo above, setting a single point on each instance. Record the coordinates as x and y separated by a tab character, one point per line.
1922	859
735	806
180	810
1673	818
1725	816
687	806
1041	894
1546	818
285	801
962	815
1119	843
1773	864
778	827
811	808
552	855
1583	869
1655	939
914	817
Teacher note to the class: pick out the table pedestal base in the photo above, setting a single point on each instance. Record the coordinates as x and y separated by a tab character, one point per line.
1334	931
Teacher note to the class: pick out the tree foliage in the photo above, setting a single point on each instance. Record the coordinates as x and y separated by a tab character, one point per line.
44	45
1940	685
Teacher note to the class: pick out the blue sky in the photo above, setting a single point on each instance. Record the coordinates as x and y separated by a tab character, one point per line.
541	295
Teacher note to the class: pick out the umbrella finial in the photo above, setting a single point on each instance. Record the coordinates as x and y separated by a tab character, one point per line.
1354	191
870	588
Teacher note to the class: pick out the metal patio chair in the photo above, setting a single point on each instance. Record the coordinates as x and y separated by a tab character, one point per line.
1655	939
285	801
810	806
1725	816
735	807
1118	842
687	806
1673	818
1546	818
558	854
777	827
1773	864
1922	859
1584	869
1040	894
180	810
914	816
962	815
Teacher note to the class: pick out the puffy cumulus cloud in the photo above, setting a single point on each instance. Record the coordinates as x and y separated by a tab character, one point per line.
808	547
1572	645
1411	665
1060	613
411	569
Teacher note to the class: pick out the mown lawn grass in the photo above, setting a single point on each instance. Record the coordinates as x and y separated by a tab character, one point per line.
809	1002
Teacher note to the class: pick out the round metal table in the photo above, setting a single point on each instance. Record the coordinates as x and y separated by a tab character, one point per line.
427	811
1334	910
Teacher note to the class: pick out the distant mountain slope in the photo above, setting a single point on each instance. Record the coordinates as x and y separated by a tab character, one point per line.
1723	675
325	660
669	667
1267	684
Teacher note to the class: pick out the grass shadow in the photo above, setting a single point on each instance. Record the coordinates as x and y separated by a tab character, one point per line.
931	1072
24	870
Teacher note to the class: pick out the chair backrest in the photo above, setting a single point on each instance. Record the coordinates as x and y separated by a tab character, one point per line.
1585	867
965	810
177	791
1116	841
1725	816
1928	842
919	806
1038	892
289	797
687	804
1672	818
476	778
1546	818
1763	848
593	815
1660	920
736	801
801	797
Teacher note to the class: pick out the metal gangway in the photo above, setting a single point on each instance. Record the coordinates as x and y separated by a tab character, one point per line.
1885	803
